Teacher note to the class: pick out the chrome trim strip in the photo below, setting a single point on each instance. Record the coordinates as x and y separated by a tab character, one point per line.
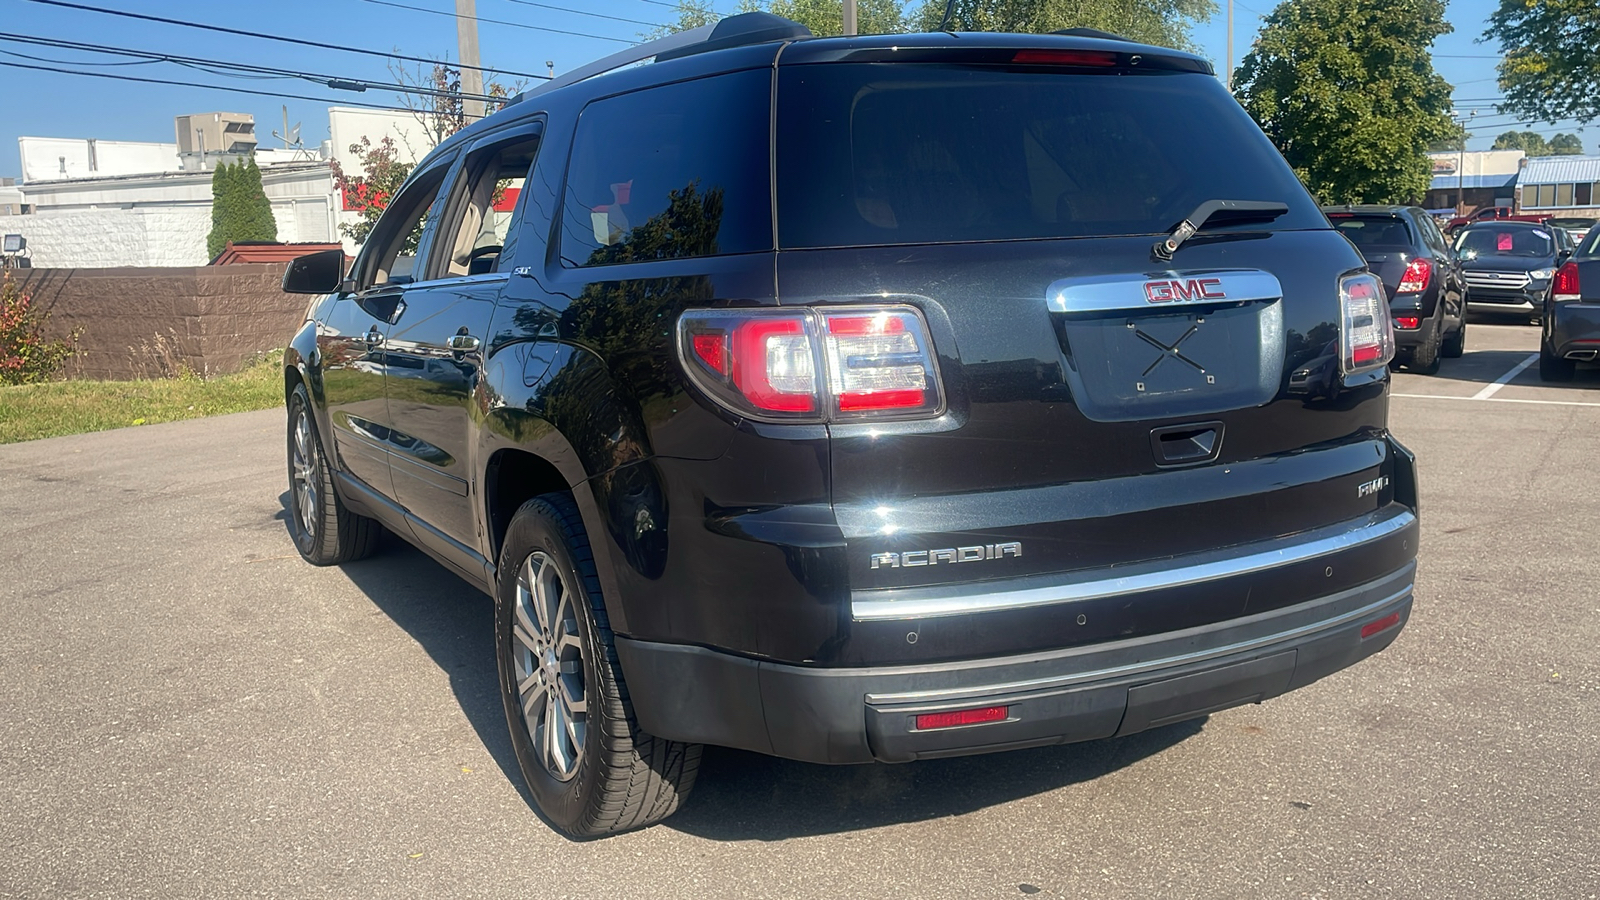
1140	667
1108	293
1182	576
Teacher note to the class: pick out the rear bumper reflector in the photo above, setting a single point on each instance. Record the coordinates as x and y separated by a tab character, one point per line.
1383	624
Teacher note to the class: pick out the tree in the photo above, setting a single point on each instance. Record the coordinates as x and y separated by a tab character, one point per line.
1165	23
240	210
1346	90
1566	145
1530	142
1456	139
826	17
691	14
369	194
441	114
1551	69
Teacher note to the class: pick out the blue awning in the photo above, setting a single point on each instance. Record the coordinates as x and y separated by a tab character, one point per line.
1452	182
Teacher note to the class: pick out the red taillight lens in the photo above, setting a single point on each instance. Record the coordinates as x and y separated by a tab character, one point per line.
1409	323
815	365
979	716
1383	624
1565	284
1065	57
1416	278
1368	332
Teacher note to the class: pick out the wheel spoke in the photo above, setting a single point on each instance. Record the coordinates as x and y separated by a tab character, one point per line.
552	735
547	592
571	696
533	702
528	643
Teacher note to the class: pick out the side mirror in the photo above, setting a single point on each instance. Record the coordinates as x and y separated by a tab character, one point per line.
1564	254
314	273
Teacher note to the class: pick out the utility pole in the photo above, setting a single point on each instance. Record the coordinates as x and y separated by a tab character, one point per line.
1461	162
1228	80
467	41
849	16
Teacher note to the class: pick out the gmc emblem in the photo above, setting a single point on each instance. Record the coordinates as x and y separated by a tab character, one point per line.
1175	291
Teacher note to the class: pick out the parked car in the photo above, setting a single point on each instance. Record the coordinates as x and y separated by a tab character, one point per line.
1420	274
1571	320
1507	266
1575	226
854	399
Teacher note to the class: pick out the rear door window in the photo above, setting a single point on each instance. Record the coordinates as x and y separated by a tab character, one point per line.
889	153
671	172
1372	232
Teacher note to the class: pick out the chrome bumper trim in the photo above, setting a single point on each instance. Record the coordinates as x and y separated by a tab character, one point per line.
1158	576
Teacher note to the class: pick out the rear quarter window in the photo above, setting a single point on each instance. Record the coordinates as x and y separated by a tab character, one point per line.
671	172
889	153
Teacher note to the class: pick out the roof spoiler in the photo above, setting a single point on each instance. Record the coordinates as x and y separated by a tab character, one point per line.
733	31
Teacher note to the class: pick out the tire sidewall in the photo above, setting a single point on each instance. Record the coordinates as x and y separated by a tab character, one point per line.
537	526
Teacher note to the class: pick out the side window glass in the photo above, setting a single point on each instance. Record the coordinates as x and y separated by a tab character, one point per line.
477	222
671	172
390	254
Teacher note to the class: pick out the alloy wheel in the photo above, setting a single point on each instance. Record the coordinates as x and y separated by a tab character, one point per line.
548	665
303	472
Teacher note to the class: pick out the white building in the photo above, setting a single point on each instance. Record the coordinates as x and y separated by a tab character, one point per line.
95	203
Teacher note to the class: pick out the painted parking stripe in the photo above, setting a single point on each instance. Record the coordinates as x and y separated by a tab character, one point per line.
1491	389
1496	400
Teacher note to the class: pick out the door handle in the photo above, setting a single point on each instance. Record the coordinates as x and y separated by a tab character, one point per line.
463	343
373	337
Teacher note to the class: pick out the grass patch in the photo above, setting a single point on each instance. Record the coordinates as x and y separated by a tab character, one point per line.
32	411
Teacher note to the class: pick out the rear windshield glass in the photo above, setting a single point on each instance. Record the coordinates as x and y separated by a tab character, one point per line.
1371	232
894	153
1590	245
1499	241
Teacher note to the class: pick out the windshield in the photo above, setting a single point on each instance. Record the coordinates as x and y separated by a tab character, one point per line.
1501	241
1371	232
895	153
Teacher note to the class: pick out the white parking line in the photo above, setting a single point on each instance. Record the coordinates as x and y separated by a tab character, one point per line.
1496	400
1491	389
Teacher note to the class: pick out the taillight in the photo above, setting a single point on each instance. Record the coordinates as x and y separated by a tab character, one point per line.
1409	323
1415	280
1367	330
1065	57
813	365
1565	285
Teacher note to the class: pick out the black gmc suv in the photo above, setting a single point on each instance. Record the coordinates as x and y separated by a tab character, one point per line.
858	399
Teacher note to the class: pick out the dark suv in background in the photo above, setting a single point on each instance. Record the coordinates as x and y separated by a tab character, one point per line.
856	399
1508	266
1404	248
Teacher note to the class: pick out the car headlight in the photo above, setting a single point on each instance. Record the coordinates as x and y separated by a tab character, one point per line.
1542	274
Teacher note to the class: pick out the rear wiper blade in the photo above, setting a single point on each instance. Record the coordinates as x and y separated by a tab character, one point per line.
1231	211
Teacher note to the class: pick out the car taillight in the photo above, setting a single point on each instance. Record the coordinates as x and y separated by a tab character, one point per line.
1368	331
1409	323
1415	280
813	365
1565	285
1065	57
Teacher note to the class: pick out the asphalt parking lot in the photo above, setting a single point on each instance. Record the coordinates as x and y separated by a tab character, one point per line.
190	710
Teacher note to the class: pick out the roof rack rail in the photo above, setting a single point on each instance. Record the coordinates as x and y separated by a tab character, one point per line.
1094	33
733	31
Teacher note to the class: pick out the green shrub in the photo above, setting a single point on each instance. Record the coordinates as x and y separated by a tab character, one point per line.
26	355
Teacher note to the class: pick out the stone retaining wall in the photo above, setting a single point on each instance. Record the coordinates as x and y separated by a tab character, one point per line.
154	322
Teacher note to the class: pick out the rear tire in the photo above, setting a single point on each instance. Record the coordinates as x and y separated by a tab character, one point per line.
590	768
324	532
1554	368
1425	356
1456	344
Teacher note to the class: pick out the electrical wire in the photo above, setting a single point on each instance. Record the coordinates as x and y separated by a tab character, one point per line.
211	87
440	12
579	12
277	37
238	70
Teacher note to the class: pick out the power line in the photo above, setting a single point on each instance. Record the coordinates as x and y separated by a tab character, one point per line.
579	12
275	37
333	82
440	12
210	87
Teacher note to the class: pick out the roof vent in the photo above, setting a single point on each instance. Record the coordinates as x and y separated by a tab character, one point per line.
737	31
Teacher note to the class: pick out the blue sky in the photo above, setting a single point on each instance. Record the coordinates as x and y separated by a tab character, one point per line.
66	105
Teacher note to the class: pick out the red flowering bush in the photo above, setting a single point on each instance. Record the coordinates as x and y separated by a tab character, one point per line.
26	355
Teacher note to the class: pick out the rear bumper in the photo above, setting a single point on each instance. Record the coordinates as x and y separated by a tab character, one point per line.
855	715
1575	330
